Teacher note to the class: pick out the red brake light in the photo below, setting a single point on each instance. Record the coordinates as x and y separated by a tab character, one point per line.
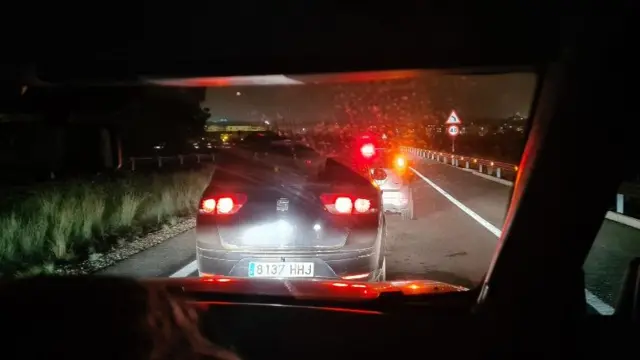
208	206
362	205
340	204
367	150
343	205
227	204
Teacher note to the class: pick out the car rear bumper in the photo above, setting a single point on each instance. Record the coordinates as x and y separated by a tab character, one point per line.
396	201
338	264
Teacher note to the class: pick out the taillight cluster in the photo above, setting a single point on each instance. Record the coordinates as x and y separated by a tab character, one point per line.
226	204
341	204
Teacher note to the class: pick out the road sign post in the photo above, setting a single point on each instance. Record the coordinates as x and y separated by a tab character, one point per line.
453	129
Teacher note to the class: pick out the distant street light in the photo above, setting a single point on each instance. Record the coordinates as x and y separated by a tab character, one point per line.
238	93
266	122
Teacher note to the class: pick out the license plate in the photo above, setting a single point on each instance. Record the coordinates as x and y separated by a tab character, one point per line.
280	269
390	195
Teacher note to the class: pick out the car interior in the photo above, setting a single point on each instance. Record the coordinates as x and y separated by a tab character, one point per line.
532	300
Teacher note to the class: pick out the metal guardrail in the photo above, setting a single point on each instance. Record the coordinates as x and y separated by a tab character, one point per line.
160	161
506	172
490	167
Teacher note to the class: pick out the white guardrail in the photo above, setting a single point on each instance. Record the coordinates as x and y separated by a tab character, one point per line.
159	161
505	174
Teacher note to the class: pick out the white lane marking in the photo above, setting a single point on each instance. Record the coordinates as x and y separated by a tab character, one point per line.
595	302
497	232
187	270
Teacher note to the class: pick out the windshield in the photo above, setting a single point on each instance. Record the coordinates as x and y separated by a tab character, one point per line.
293	181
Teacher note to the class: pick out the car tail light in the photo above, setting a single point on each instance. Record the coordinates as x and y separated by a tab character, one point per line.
208	206
378	174
341	204
368	150
362	205
226	204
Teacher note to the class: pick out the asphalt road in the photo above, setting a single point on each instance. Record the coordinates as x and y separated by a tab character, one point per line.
459	217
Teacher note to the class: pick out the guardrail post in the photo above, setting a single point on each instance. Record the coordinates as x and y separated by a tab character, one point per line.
466	164
480	168
159	161
620	203
198	158
498	173
213	157
181	159
133	164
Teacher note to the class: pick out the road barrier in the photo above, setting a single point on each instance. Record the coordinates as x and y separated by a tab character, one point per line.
163	161
505	173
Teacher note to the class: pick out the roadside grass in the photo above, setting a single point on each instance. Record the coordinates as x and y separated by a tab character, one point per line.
69	223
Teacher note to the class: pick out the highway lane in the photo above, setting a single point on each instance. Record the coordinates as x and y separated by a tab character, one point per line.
445	242
614	247
442	244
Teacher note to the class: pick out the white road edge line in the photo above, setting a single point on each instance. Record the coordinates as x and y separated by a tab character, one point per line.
489	226
187	270
594	301
611	215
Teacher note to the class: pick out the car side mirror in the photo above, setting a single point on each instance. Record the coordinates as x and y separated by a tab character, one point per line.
378	174
628	307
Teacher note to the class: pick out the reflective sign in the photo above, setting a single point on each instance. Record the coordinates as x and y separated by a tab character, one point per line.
453	130
453	119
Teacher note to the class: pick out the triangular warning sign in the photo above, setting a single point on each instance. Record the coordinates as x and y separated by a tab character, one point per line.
453	119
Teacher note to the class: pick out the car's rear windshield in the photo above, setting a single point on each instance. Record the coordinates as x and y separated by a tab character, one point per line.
277	165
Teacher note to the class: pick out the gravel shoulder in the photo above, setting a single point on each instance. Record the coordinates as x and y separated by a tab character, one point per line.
120	256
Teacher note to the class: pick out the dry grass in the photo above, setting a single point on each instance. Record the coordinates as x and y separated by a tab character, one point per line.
71	222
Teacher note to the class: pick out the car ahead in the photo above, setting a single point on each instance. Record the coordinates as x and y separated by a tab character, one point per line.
392	173
284	211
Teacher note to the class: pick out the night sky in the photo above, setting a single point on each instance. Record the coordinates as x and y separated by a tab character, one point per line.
430	97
